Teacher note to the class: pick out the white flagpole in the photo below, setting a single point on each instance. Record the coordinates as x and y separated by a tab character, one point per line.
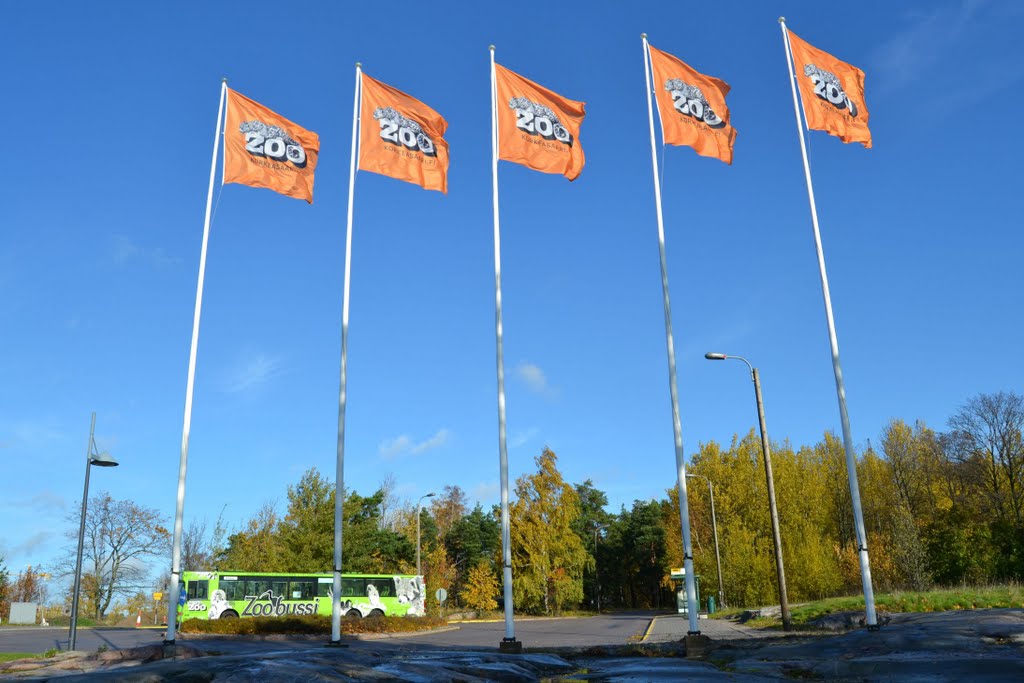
179	512
851	459
339	482
684	508
509	642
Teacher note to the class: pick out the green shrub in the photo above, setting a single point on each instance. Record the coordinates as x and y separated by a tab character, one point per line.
314	625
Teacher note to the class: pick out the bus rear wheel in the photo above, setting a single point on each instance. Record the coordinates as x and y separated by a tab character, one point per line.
354	613
376	613
230	614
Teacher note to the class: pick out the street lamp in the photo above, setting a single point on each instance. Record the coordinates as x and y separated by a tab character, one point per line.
714	526
418	504
92	457
776	536
597	572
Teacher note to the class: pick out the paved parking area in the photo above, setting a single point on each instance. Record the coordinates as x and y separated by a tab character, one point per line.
668	627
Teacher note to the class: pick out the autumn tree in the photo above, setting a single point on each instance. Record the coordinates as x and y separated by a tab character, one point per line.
121	537
548	558
258	545
448	508
481	588
4	588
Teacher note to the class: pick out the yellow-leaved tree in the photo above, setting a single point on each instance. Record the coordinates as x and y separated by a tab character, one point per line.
548	558
481	589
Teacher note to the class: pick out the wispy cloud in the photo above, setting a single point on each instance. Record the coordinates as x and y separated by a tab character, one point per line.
404	444
252	370
29	545
486	492
125	251
533	377
907	56
521	438
31	433
43	501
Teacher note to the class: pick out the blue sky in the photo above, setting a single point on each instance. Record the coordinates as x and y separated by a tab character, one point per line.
110	110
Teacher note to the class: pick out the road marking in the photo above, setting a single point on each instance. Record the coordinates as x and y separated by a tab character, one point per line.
648	631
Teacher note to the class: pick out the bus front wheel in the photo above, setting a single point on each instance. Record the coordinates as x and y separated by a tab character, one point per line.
354	613
376	613
230	614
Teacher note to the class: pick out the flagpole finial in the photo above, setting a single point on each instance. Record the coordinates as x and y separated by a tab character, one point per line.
782	20
224	79
644	36
359	65
491	48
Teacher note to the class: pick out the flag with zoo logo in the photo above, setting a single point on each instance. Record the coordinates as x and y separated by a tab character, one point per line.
832	92
538	128
692	107
401	137
263	149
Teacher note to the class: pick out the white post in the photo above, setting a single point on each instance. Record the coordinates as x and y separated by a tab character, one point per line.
339	481
684	508
179	512
851	459
506	534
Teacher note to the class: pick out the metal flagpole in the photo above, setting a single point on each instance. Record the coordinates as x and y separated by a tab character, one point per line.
339	482
509	642
179	512
684	509
851	460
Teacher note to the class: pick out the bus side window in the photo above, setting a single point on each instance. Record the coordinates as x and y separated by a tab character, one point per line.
198	590
300	589
323	589
233	589
353	588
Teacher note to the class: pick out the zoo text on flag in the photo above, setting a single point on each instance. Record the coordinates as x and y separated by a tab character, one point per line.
263	149
832	92
692	107
401	137
538	128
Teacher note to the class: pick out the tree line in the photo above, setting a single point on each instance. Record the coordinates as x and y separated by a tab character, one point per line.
940	508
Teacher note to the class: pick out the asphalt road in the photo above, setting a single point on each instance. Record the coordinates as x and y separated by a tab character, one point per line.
606	629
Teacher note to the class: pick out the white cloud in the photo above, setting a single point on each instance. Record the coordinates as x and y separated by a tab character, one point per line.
389	448
125	251
930	36
42	501
251	371
486	493
534	378
32	433
438	439
404	444
521	438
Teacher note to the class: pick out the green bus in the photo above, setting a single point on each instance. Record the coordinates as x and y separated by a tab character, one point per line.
231	595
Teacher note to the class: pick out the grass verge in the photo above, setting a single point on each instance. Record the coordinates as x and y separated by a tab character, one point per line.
937	600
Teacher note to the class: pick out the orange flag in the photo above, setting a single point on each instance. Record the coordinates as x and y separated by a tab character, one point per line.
538	128
832	92
263	149
692	107
401	137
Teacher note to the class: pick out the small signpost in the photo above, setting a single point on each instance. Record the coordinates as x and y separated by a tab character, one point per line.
441	596
157	597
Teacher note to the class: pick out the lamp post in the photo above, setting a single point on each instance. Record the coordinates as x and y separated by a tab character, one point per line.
776	536
418	504
92	457
597	572
714	527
